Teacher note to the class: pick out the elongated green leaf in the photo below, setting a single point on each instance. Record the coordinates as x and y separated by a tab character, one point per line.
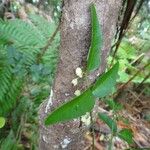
127	135
106	82
111	123
93	60
2	122
72	109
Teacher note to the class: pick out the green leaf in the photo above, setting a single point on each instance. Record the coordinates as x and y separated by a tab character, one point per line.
93	60
127	135
2	122
106	82
72	109
114	105
110	122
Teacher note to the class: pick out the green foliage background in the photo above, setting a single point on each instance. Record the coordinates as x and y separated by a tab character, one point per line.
25	78
134	50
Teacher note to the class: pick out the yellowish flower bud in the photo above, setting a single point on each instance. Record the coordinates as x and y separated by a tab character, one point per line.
77	92
74	81
79	72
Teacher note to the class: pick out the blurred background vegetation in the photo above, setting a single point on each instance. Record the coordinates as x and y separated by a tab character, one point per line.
28	61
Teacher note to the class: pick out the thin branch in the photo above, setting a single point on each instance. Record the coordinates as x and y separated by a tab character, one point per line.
93	134
91	116
140	57
146	77
124	85
49	42
125	24
138	9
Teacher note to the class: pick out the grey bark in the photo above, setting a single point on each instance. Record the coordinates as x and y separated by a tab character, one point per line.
75	42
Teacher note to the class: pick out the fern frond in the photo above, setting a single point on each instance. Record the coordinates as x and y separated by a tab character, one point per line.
22	33
10	88
27	39
45	27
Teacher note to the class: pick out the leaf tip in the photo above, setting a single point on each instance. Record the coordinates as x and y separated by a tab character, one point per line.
48	120
92	6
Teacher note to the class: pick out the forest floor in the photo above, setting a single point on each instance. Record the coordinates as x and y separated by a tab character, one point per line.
136	112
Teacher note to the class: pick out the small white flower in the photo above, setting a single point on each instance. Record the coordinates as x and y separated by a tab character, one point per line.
102	137
74	81
86	119
55	14
77	92
58	8
79	72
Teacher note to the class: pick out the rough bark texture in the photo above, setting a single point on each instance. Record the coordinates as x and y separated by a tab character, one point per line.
75	41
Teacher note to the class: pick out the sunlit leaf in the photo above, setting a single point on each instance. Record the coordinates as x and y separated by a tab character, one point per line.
127	135
93	61
106	82
2	122
72	109
110	122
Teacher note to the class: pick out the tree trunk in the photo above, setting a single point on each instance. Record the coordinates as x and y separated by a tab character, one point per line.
75	42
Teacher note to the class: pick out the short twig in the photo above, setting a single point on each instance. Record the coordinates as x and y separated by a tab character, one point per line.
146	77
124	85
93	135
49	42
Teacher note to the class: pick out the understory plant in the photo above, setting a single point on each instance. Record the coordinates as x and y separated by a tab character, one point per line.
125	133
